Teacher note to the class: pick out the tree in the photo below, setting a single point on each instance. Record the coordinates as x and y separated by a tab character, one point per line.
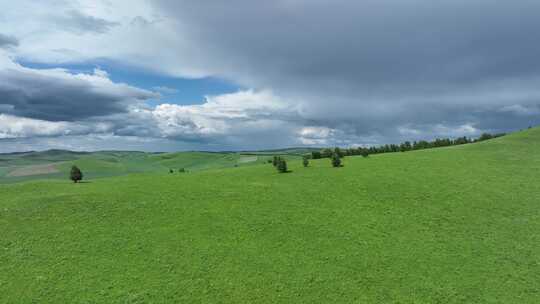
364	152
338	151
275	160
181	170
406	146
171	171
336	160
316	155
75	175
305	161
326	153
485	136
282	166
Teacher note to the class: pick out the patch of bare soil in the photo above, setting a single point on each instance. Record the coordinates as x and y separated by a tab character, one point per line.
34	170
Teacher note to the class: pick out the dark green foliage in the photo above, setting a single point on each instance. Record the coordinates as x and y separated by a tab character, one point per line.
326	153
461	141
182	170
336	160
364	152
282	166
485	136
75	174
403	147
339	152
305	161
406	146
171	171
275	160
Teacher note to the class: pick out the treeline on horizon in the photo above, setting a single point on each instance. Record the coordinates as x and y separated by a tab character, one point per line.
403	147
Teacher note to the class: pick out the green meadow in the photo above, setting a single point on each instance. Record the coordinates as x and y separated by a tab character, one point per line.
56	164
448	225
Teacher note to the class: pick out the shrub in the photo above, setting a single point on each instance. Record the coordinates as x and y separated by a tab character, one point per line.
275	160
171	171
364	153
485	136
336	160
316	154
75	175
282	166
326	153
181	170
338	151
305	161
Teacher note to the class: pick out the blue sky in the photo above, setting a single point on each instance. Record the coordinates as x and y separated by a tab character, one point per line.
188	90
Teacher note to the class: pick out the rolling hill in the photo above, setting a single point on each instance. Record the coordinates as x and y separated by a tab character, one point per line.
55	164
447	225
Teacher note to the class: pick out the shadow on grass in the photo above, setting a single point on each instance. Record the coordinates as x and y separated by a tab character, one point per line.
288	171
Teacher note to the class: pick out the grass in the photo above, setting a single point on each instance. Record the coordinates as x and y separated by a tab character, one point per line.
115	163
448	225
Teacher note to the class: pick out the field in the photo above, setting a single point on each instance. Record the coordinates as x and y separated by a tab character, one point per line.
55	164
448	225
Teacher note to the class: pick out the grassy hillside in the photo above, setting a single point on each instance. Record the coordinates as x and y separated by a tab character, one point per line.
55	164
448	225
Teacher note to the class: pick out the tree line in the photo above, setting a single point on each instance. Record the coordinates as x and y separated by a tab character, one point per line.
281	164
403	147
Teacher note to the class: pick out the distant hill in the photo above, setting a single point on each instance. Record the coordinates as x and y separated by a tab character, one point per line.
293	151
22	166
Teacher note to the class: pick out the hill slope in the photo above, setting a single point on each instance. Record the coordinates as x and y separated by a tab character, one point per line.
55	164
449	225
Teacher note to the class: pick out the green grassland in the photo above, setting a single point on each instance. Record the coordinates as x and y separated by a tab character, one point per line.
19	167
449	225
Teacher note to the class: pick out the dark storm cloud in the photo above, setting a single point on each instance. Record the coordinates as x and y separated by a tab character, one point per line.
8	41
56	95
373	65
77	22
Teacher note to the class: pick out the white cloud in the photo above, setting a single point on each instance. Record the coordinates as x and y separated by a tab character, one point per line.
16	127
58	95
232	114
316	135
243	119
427	132
133	32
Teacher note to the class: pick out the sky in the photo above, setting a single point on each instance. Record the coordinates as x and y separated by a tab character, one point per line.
158	75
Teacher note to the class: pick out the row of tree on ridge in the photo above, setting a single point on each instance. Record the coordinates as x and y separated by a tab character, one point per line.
403	147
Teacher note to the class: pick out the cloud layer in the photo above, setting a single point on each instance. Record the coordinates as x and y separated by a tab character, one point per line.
374	65
321	72
8	41
57	95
